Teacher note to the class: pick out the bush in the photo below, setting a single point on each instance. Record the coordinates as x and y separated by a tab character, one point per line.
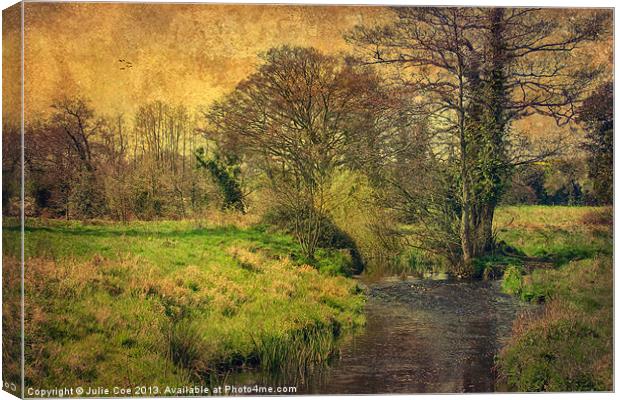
568	346
512	282
86	197
332	238
355	211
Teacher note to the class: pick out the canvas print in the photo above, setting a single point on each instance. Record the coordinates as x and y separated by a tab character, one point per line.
204	199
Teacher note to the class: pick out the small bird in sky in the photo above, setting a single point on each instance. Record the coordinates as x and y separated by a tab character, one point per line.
125	64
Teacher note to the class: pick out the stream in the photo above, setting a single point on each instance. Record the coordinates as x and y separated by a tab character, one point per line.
424	336
421	336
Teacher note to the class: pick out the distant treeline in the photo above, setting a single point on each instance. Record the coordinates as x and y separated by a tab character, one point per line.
583	175
81	165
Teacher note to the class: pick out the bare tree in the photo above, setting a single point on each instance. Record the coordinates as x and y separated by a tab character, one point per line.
472	72
76	118
161	132
597	116
301	117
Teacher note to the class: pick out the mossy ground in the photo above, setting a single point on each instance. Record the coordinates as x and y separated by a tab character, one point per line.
174	302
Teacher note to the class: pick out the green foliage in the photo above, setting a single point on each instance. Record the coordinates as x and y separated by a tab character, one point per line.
512	282
299	350
364	225
225	172
420	263
567	345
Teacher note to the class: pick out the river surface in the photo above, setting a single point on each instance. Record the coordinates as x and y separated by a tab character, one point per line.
424	336
421	336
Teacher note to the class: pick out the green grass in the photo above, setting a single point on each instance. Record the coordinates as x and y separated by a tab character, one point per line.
179	302
556	233
565	344
175	302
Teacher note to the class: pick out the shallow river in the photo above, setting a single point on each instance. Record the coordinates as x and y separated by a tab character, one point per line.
424	336
421	336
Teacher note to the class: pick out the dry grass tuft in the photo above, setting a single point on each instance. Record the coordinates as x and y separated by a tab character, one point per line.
603	216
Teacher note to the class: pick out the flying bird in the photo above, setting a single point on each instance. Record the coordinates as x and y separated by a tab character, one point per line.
125	64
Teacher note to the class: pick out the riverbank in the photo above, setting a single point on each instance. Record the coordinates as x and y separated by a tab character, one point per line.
438	335
174	303
567	267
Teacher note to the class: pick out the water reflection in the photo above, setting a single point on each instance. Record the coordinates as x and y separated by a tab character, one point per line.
421	336
437	336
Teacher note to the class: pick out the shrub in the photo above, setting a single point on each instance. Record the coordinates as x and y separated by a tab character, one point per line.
568	346
512	282
348	260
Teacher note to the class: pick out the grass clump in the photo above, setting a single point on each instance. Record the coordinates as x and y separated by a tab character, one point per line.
512	282
566	344
170	303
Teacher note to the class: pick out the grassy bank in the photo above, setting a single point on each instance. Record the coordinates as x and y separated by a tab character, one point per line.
175	302
566	266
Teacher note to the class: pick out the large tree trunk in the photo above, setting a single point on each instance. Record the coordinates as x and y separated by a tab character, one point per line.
479	206
483	227
476	233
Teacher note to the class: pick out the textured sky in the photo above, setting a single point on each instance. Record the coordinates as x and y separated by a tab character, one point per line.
179	53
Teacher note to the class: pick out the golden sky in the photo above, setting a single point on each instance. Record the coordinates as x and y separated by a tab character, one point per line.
11	71
179	52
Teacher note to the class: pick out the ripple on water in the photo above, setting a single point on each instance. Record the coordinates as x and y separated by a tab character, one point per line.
423	336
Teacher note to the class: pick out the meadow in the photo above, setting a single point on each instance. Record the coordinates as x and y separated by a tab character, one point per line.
180	302
175	302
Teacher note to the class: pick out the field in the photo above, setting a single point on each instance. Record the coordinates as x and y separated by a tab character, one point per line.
179	302
566	343
175	302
